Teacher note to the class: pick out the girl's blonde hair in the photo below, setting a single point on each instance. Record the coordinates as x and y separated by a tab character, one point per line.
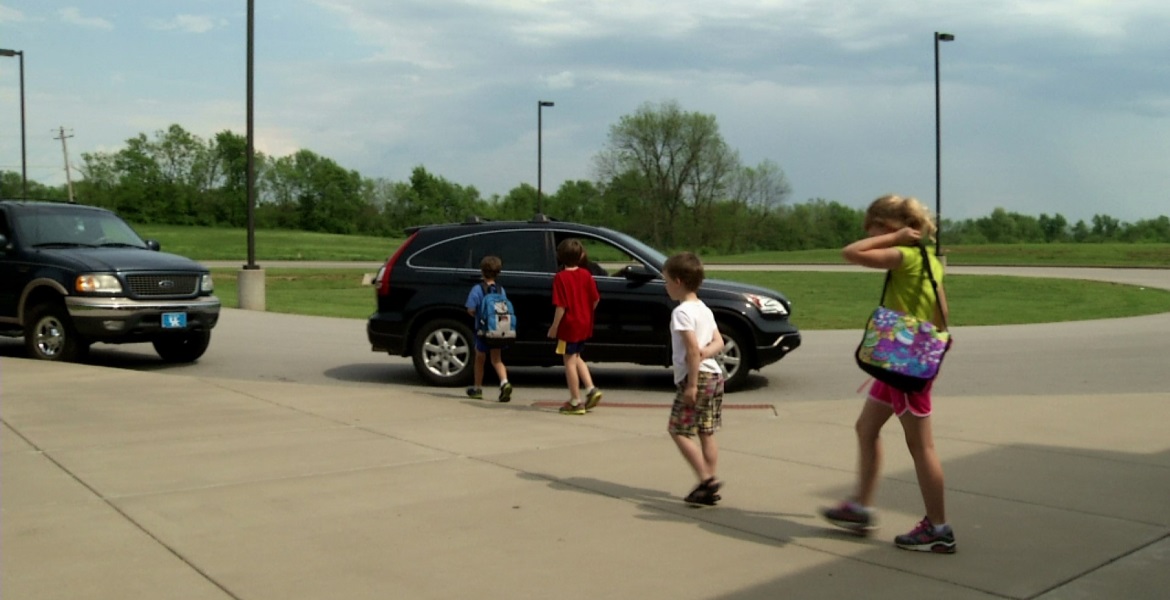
896	212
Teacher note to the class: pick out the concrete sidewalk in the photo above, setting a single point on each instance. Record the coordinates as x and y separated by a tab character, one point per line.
122	484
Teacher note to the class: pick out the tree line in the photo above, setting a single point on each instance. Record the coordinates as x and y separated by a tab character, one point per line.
665	175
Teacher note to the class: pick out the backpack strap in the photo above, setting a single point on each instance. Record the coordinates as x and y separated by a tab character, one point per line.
933	284
882	298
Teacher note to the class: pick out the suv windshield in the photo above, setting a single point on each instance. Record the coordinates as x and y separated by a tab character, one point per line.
73	227
656	258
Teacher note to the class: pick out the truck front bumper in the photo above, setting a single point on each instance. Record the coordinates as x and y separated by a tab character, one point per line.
113	319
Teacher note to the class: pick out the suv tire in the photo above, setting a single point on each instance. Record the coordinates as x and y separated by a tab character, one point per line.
734	358
182	348
443	353
49	334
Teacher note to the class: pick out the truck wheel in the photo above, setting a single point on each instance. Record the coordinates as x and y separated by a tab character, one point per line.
49	334
182	347
735	356
443	353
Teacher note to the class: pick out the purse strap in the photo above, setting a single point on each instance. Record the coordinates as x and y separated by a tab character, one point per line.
933	285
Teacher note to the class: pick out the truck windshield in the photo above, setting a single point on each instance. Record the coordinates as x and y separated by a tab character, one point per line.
56	226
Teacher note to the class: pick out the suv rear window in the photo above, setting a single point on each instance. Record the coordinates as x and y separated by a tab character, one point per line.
519	250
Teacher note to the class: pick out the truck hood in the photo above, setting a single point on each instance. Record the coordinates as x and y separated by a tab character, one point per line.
122	260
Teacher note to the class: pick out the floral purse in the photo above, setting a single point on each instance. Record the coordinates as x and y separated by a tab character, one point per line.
902	350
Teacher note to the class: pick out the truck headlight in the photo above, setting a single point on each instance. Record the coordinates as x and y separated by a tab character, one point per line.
91	283
205	284
766	305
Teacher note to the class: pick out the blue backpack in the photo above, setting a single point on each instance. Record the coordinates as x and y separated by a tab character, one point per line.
495	320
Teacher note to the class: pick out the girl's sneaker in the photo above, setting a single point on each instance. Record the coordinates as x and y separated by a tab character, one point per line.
505	392
848	515
925	538
475	393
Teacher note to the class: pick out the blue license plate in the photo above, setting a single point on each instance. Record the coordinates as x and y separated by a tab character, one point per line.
177	320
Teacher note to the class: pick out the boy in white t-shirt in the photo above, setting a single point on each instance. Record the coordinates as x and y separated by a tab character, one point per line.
698	402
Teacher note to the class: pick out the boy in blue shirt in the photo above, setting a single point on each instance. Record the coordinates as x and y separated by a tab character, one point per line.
490	267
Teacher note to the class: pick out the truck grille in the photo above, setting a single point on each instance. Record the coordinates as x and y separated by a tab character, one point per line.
153	286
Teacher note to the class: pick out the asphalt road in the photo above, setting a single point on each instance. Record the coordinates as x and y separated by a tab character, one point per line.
1083	357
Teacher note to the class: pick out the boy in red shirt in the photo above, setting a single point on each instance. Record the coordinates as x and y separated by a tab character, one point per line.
575	296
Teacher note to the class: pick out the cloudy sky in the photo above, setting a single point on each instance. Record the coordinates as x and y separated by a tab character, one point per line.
1048	106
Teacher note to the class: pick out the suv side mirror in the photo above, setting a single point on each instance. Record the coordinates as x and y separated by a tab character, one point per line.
638	273
153	245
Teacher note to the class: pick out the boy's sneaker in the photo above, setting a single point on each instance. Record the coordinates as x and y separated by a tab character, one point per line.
848	515
475	393
505	392
706	493
569	408
592	399
924	538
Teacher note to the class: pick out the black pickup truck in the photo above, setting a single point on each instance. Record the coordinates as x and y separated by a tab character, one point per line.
72	275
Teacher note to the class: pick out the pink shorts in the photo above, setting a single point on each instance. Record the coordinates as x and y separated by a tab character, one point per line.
918	403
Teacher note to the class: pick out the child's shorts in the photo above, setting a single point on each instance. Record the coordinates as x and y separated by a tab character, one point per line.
481	345
564	347
918	403
706	415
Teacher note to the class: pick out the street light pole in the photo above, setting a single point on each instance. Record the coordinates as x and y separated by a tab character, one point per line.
938	37
249	160
250	282
540	104
23	155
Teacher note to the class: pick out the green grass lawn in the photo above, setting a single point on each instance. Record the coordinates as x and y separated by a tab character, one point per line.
820	300
844	300
1019	255
213	243
209	243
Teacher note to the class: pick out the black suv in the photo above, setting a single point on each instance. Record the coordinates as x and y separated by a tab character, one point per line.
72	275
422	287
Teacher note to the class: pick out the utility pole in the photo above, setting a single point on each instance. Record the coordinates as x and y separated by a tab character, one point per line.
65	150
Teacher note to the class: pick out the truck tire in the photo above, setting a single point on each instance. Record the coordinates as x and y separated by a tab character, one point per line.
182	347
49	334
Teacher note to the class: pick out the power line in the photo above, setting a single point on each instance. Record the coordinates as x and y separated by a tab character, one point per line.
65	151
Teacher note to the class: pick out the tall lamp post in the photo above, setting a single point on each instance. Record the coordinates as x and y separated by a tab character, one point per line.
938	37
23	155
249	160
250	285
540	104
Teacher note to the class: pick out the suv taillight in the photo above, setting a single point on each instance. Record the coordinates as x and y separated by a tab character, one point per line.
384	274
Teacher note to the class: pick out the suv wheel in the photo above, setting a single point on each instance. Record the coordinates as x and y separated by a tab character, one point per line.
182	348
49	334
734	357
443	352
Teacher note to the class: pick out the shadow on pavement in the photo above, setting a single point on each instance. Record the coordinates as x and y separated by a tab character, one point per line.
657	505
1031	520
